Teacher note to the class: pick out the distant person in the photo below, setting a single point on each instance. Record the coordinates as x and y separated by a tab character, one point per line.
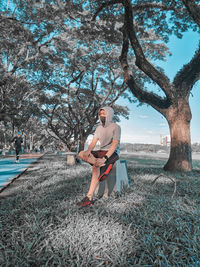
108	134
18	145
41	149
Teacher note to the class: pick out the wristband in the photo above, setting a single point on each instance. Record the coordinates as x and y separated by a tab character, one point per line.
106	157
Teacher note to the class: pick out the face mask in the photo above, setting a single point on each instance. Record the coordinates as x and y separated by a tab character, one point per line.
103	120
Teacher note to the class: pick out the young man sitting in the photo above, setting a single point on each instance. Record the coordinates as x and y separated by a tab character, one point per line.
108	133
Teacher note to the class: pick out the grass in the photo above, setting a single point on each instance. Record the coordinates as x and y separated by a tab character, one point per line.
40	224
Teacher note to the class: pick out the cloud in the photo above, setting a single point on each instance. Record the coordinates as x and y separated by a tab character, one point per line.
143	116
142	138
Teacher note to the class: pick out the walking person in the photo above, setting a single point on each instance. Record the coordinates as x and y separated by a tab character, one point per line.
108	133
18	140
41	148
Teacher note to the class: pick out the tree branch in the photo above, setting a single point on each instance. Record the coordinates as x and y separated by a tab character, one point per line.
105	4
123	57
193	9
188	75
155	101
152	99
141	61
155	5
136	7
80	75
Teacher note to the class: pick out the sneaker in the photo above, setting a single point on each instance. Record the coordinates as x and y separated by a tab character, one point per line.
85	202
104	171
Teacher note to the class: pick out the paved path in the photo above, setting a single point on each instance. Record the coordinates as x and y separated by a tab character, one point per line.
9	169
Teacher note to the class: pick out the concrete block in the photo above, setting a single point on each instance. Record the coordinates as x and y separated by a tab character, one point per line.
116	180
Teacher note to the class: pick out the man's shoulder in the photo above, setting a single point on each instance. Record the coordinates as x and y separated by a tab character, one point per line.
115	125
98	126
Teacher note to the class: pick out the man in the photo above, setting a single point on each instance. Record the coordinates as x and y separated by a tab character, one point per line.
108	134
41	148
18	142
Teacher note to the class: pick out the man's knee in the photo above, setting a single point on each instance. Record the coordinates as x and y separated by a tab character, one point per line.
80	154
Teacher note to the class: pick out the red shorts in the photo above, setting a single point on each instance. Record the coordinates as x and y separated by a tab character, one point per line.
99	153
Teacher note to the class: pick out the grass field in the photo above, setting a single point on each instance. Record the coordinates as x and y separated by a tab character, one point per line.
148	224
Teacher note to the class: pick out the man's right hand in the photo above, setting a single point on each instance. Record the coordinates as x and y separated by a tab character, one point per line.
86	154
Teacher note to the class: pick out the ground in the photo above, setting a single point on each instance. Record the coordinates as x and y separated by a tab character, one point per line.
147	224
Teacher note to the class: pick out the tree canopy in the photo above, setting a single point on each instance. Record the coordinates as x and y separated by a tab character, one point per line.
60	42
161	18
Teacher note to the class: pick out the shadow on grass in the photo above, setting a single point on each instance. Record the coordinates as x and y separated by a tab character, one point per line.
41	225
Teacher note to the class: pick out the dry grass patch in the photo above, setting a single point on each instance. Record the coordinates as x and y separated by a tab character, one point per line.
40	224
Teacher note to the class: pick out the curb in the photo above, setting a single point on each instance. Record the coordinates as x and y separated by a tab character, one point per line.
18	175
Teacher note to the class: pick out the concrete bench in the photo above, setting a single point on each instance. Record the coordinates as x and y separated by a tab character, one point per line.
71	158
116	180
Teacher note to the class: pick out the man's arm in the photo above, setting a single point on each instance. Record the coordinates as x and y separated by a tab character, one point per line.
90	148
22	141
100	162
92	144
113	148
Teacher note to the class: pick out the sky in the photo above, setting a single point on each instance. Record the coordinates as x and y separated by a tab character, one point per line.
145	124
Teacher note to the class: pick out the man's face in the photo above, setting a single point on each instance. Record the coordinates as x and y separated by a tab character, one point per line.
102	113
102	116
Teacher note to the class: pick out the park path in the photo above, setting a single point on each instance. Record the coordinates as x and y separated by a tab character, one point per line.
9	170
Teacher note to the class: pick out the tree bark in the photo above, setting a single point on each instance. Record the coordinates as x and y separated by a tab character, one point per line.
82	144
179	117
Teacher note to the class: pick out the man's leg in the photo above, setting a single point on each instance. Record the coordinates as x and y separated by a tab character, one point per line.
17	154
94	181
90	159
87	201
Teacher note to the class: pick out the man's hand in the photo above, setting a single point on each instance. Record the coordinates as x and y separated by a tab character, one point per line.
86	154
100	162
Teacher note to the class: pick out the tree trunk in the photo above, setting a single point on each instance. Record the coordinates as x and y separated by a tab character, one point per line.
179	117
82	144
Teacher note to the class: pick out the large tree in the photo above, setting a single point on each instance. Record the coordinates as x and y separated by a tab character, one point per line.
72	111
51	55
16	100
141	28
173	104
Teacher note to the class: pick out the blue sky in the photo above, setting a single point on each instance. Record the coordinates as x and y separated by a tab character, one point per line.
146	124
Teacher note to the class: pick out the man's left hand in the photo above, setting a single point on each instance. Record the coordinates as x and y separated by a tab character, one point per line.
100	162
